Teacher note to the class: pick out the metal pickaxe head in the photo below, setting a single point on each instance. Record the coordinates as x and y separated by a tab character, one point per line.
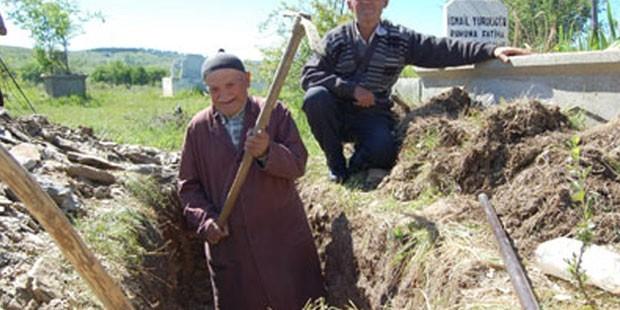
312	34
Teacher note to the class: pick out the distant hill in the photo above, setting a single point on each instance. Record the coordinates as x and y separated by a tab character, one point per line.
86	61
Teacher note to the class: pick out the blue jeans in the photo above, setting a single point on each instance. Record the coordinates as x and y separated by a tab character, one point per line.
334	121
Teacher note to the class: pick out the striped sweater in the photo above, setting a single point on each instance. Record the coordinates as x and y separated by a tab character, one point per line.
396	48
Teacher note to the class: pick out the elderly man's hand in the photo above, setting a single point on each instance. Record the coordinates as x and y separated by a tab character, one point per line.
363	97
257	144
215	233
503	52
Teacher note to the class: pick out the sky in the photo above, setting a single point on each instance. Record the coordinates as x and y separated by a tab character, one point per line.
204	26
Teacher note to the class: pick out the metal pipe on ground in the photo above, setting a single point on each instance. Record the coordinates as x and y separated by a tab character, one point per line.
513	265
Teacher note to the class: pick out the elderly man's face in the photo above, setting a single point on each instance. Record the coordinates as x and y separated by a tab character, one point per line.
229	90
367	10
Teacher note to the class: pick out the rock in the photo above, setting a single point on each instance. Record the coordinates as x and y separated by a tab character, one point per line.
92	174
614	155
5	299
41	292
600	265
92	161
32	305
86	131
18	134
7	137
62	143
51	152
139	155
28	155
23	289
34	124
145	169
117	192
15	236
108	144
62	195
14	305
86	190
50	166
58	304
103	192
40	282
4	202
4	260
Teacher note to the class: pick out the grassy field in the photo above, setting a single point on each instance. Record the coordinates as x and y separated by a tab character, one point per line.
136	115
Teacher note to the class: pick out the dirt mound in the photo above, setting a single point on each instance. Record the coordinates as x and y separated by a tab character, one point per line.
509	141
540	204
450	104
472	153
413	252
520	154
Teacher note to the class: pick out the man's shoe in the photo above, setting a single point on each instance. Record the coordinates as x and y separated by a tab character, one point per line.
374	176
337	178
357	164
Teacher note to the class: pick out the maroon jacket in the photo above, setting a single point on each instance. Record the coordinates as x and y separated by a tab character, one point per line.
269	259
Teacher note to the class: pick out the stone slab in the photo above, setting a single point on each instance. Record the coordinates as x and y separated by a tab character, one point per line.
587	80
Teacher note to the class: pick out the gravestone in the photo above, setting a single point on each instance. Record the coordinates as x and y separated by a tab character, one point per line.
184	74
477	20
62	85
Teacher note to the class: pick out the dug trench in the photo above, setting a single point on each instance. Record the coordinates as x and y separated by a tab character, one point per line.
421	239
418	239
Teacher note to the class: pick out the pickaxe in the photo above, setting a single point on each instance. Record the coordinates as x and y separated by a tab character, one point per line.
301	25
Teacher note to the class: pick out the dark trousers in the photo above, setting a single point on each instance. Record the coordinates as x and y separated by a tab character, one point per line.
334	121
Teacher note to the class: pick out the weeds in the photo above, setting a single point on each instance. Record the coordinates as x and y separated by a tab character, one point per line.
114	233
584	200
422	144
321	304
577	119
414	241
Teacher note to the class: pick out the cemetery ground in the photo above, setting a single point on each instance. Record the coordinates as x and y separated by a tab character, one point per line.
417	239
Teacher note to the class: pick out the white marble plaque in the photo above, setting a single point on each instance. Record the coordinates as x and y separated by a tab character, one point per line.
477	20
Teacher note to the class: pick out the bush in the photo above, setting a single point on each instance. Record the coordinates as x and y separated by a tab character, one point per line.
118	73
31	72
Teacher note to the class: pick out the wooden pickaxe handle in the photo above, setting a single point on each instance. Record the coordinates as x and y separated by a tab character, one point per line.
263	117
53	220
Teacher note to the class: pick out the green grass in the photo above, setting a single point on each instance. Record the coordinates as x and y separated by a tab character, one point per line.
114	233
136	115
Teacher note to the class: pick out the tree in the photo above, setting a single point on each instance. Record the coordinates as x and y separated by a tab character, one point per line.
542	24
52	24
326	14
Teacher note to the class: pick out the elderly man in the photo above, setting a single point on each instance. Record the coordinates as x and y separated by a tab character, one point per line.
265	257
348	89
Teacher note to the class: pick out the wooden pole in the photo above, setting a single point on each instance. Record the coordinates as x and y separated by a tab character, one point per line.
53	220
263	118
513	265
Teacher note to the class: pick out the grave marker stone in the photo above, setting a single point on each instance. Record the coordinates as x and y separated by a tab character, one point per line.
477	20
